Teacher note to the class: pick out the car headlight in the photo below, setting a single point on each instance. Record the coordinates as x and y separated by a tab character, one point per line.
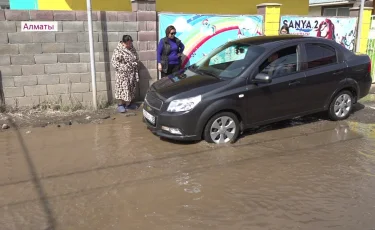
184	105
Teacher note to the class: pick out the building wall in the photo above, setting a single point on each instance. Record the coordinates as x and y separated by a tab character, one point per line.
315	11
233	7
114	5
191	6
37	67
4	4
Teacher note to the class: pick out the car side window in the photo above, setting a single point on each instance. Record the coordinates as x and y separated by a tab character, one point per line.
319	55
281	63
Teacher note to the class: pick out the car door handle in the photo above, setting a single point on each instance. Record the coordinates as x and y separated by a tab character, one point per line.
292	83
338	72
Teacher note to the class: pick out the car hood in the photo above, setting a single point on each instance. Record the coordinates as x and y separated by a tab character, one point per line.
185	82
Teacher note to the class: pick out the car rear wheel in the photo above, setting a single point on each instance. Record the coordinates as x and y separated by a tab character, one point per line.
341	106
222	128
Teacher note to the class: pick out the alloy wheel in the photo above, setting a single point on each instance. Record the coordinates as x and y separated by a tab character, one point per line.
222	130
343	105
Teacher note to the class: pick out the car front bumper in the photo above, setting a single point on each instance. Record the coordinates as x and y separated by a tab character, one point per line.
183	122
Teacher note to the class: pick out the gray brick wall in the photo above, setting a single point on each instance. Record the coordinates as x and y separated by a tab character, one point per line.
37	67
147	40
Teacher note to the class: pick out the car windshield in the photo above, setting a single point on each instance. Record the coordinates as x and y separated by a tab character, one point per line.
229	60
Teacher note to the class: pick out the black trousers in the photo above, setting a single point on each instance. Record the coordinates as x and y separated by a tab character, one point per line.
171	69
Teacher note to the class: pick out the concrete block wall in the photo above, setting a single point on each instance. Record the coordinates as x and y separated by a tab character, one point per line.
37	67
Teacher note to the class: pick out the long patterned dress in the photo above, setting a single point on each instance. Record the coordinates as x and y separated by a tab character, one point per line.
125	62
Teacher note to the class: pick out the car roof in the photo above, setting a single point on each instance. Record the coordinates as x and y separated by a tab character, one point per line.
272	41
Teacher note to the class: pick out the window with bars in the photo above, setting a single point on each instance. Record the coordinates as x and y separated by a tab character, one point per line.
338	11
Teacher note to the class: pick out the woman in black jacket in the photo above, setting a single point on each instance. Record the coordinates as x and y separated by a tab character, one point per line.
169	52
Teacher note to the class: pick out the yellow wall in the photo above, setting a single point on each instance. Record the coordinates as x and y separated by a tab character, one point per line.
289	7
366	24
272	20
102	5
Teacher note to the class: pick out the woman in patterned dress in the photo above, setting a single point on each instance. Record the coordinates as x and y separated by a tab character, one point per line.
125	62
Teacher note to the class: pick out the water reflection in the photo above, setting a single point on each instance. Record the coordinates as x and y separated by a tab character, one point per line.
341	132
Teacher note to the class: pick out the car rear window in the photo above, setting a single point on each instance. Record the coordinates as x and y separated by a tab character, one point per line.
320	55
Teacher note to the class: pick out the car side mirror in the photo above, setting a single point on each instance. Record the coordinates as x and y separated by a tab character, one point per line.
262	78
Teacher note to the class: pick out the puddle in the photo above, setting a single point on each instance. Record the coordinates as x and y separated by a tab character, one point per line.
298	174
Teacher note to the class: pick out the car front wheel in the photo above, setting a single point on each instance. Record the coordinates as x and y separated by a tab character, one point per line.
222	128
341	106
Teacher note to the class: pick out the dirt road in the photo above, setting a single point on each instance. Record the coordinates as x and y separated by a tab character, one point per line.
299	174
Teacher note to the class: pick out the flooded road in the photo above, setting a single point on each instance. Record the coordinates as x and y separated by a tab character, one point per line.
297	174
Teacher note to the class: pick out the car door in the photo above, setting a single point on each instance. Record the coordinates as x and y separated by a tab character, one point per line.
284	96
324	71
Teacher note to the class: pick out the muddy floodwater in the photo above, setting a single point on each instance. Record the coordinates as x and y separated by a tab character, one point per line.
299	174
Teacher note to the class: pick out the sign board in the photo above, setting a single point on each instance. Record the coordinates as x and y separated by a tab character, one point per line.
29	26
372	30
371	34
202	33
339	29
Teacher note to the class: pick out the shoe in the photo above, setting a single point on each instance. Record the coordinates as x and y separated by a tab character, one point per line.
132	107
121	109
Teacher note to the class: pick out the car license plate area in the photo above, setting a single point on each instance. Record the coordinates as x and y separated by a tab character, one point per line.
149	117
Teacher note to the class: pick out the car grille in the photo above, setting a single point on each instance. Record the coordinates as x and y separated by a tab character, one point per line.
153	100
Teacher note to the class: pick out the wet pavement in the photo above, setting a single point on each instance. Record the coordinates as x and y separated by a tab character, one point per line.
300	174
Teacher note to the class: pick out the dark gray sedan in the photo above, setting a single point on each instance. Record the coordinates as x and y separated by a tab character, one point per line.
256	81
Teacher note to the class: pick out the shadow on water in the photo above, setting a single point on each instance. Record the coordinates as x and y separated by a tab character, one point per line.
358	107
106	58
35	179
298	121
177	142
283	124
2	96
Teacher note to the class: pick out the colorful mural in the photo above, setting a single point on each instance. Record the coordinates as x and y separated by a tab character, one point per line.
341	30
245	7
203	33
